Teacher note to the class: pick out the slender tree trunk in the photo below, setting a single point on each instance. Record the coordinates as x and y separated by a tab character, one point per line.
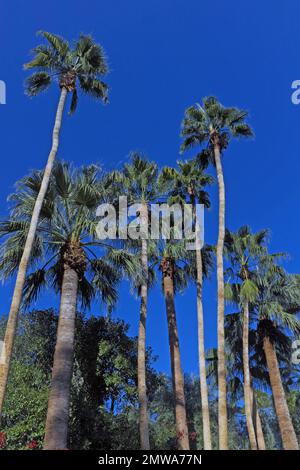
257	423
19	285
247	384
177	376
201	354
222	403
57	421
288	435
142	388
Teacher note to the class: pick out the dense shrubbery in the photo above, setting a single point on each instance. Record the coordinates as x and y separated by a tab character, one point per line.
104	410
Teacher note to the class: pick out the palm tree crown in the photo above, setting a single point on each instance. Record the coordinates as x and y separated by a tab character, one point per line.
82	65
246	252
138	179
277	304
186	183
66	234
214	124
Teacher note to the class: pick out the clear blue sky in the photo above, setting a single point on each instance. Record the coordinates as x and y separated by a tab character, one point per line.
164	55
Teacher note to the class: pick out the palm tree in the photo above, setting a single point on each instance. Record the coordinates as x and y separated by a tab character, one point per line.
64	257
187	185
214	125
138	182
55	61
174	277
245	251
278	302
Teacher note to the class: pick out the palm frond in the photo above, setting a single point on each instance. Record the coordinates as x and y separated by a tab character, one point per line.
74	102
94	87
33	286
59	44
37	83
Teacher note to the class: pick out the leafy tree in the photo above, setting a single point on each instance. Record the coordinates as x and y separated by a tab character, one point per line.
101	376
105	394
24	413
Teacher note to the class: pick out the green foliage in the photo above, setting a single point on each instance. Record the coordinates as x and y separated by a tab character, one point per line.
248	291
104	384
26	406
27	394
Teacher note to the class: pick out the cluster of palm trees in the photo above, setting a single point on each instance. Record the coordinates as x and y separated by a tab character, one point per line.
50	240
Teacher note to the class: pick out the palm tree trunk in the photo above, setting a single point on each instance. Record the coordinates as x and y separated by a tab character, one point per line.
56	434
222	402
257	423
247	383
18	291
142	388
201	354
177	376
288	435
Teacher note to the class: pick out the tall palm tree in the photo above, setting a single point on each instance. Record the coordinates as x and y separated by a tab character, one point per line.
55	61
214	125
66	256
187	185
138	182
174	278
278	302
245	250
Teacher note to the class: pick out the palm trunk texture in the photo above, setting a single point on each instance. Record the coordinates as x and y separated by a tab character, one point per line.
222	403
201	354
177	376
56	435
247	383
142	388
288	435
